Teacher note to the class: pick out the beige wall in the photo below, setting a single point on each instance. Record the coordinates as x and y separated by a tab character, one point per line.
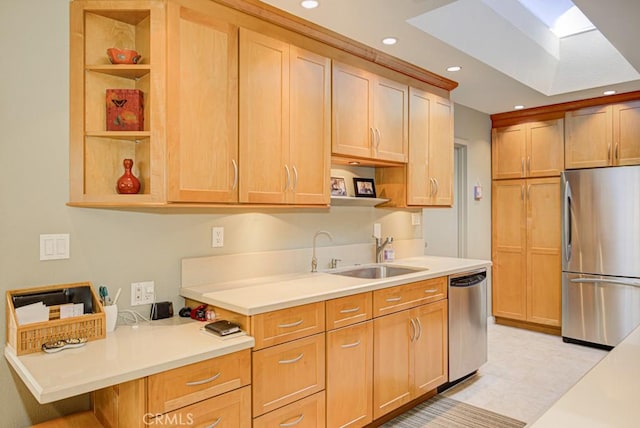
108	246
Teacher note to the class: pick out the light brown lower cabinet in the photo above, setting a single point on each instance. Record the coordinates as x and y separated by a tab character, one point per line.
306	413
409	355
350	375
288	372
214	392
230	410
527	271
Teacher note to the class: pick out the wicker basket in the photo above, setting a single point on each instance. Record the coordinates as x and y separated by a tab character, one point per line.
26	339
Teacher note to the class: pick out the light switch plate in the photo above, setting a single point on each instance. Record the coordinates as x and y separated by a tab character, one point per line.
54	247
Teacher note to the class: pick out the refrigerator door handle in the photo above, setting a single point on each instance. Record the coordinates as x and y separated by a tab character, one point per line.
606	281
567	220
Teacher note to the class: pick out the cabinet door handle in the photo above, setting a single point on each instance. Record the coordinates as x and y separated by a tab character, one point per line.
522	192
293	324
351	345
293	360
295	178
529	164
617	152
419	329
430	290
203	381
608	153
215	424
437	185
235	174
350	311
393	299
413	330
373	137
378	139
430	186
288	182
293	423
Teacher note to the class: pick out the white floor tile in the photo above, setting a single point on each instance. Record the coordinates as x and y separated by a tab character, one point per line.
526	372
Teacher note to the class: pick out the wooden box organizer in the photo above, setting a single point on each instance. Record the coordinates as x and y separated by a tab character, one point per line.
28	338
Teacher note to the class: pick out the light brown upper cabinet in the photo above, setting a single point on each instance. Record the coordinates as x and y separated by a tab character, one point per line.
202	106
603	136
527	250
427	179
430	168
533	149
96	153
284	122
370	115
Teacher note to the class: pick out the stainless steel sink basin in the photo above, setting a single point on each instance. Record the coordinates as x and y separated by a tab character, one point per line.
377	271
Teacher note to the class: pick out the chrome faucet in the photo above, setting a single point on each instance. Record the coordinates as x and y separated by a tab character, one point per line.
314	259
380	247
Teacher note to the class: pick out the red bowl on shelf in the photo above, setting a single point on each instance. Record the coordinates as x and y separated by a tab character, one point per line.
123	56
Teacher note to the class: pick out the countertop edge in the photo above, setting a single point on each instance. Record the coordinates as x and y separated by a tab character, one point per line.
45	396
356	286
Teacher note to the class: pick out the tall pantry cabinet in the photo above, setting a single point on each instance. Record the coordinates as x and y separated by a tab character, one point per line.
526	227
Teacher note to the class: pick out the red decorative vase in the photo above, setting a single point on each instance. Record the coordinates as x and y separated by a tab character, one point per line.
128	183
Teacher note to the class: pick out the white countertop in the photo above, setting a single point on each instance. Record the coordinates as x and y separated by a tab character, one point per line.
606	397
264	294
126	354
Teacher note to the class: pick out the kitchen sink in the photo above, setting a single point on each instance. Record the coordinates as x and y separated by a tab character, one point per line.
377	271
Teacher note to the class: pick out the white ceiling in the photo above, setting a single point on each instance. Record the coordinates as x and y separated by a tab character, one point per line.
502	64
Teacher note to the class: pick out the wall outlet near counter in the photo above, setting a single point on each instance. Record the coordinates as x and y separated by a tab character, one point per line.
217	237
142	293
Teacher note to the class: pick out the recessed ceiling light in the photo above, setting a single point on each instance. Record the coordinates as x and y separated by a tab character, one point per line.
454	68
389	41
518	107
309	4
609	92
354	163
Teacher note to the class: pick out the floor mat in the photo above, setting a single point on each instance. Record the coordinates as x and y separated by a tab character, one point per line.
444	412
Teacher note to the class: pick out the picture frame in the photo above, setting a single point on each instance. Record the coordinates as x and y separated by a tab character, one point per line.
338	186
364	187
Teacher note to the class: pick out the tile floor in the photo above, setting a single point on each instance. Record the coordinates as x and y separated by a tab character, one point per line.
526	372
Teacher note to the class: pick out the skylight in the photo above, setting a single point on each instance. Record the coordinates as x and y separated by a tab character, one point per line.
561	16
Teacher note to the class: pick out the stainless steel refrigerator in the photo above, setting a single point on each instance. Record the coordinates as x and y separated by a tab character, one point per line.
600	254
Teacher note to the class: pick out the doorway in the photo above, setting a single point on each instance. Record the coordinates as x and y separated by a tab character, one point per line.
444	230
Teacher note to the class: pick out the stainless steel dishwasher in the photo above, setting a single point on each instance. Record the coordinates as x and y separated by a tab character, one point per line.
467	323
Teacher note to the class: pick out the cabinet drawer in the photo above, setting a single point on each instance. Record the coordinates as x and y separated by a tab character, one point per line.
288	372
273	328
230	410
348	310
186	385
394	299
306	413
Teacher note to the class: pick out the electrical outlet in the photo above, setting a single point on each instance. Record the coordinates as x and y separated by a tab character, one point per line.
217	237
415	219
142	293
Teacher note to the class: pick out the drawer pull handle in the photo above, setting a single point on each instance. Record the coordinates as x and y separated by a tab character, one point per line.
215	424
351	345
294	423
394	299
349	311
431	290
293	324
293	360
200	382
